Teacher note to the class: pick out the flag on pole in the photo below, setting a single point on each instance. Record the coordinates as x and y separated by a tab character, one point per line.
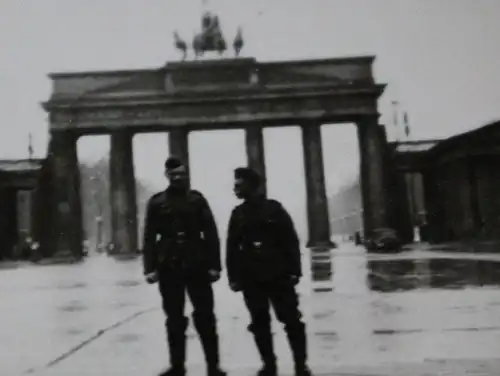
395	113
407	124
30	146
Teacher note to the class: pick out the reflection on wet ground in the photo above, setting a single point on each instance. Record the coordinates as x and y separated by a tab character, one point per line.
73	306
442	273
382	308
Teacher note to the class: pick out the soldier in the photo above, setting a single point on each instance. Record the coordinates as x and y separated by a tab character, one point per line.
182	253
263	262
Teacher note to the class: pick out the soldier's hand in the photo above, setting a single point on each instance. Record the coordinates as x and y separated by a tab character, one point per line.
295	279
214	275
235	287
152	277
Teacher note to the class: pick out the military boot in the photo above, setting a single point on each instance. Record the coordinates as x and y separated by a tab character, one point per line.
264	341
298	344
176	335
207	330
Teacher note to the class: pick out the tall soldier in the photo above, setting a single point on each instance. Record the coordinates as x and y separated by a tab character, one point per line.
263	261
182	253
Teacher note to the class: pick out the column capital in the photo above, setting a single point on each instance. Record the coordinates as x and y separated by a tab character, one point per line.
179	129
311	123
122	133
65	135
371	118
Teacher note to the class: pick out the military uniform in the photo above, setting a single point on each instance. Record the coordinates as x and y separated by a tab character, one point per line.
263	260
181	244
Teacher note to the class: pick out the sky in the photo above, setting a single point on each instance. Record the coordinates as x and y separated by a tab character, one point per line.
438	57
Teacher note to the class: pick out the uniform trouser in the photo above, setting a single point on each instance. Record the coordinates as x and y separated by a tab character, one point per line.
282	296
173	287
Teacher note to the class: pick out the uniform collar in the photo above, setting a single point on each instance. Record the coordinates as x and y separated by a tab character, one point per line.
257	199
175	191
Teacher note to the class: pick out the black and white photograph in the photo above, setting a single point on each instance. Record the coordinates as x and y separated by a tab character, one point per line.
250	188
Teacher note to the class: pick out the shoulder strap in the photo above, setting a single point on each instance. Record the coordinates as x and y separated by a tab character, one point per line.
195	196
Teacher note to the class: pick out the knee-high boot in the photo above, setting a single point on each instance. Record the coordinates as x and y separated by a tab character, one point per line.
206	327
264	341
176	336
297	339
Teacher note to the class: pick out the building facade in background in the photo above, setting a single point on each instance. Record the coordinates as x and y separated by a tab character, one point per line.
438	190
463	186
24	214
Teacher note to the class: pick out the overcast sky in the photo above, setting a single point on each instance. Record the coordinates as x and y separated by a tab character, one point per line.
440	59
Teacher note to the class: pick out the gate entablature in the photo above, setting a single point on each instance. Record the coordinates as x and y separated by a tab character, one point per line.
205	94
349	70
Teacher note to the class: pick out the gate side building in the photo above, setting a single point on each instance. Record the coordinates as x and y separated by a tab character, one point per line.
24	206
449	189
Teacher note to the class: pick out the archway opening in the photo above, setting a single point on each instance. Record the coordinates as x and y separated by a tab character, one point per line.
93	157
213	157
342	177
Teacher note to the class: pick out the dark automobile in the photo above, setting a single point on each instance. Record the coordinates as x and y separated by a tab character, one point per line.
384	240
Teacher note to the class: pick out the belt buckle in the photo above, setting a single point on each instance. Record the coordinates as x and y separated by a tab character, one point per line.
180	237
257	245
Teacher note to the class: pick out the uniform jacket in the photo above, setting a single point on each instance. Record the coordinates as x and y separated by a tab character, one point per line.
169	213
262	243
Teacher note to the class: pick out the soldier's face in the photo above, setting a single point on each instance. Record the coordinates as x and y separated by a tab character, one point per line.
178	177
241	188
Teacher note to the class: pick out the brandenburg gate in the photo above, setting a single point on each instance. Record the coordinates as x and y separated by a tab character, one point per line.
187	96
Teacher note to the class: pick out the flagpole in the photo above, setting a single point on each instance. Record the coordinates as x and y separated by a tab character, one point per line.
395	114
30	146
406	125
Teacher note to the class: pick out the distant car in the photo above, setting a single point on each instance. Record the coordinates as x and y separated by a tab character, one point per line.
384	240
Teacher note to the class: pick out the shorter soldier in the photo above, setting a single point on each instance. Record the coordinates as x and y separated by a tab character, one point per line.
263	261
182	253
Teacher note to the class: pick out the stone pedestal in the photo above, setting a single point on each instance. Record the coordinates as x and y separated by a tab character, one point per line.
67	234
123	195
319	241
373	190
254	141
178	145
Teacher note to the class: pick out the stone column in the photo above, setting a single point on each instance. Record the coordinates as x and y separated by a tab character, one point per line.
5	246
67	233
178	145
372	170
123	195
317	203
254	141
434	205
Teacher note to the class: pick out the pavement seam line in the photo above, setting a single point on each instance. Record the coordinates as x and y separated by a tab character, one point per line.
89	340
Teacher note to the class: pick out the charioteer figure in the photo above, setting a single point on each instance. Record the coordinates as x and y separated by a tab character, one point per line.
182	253
209	39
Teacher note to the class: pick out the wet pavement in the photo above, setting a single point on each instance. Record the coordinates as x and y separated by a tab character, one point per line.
416	313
